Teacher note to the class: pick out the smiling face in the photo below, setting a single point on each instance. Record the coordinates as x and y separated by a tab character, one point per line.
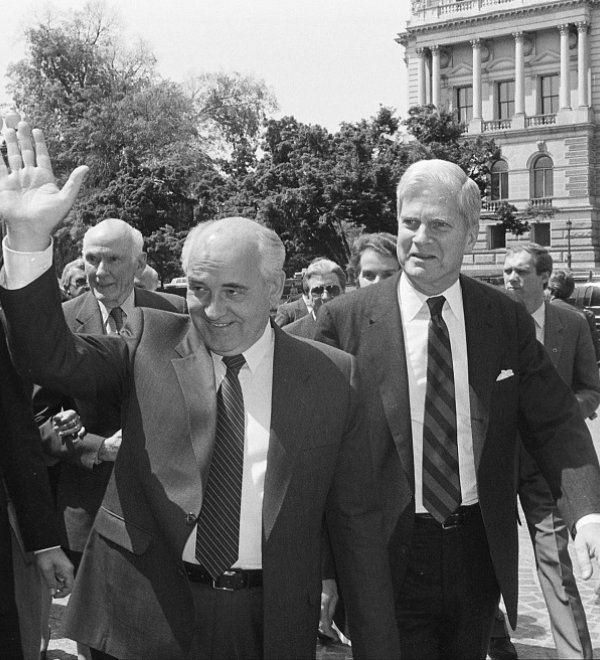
110	261
432	239
229	298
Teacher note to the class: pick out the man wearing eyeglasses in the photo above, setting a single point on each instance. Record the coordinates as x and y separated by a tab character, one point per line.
323	281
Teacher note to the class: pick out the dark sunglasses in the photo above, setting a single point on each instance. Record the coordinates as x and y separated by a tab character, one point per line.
332	290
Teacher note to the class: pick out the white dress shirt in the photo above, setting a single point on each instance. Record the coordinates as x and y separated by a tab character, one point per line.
256	380
415	321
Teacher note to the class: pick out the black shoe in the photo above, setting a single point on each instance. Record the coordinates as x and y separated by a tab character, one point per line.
501	648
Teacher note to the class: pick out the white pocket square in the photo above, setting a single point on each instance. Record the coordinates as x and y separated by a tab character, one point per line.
504	374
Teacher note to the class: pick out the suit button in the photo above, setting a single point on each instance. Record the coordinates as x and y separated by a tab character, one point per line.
190	519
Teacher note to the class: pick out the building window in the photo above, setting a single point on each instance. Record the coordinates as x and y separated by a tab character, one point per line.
464	104
543	186
496	237
540	233
506	99
499	180
549	94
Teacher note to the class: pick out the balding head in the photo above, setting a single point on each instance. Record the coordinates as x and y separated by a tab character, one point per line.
113	255
235	276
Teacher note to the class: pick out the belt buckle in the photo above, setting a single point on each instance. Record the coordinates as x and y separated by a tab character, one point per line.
453	520
229	581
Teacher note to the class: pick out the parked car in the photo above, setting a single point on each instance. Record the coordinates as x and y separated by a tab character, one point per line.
588	296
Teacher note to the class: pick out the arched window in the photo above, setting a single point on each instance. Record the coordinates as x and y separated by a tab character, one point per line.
499	180
542	181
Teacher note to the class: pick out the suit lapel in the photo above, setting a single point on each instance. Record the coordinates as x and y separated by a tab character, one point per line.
383	338
480	331
88	317
553	334
289	407
195	373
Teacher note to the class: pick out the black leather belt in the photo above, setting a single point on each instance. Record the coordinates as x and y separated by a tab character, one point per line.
456	519
231	580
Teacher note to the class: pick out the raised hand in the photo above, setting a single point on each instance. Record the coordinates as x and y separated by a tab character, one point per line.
31	203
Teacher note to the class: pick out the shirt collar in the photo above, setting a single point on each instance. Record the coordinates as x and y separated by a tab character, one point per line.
127	306
413	301
255	354
539	316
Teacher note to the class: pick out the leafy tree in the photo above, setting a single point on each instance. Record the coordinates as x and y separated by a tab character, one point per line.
508	216
163	247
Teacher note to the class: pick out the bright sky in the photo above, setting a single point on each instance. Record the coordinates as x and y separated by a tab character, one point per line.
327	61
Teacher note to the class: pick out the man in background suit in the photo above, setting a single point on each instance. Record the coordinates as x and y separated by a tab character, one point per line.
291	311
565	334
23	473
159	590
323	281
452	371
112	257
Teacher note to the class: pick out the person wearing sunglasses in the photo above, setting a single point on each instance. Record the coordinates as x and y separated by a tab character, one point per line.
323	281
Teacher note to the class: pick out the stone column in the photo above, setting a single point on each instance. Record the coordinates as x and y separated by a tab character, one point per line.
476	43
435	76
564	102
421	76
519	74
583	64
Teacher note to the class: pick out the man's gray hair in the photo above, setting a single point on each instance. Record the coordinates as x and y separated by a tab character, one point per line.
270	246
442	174
135	235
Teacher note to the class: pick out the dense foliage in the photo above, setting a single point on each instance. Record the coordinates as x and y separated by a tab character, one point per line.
164	156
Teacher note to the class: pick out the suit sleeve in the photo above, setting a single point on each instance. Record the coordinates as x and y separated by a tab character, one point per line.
586	384
45	351
357	539
326	330
21	460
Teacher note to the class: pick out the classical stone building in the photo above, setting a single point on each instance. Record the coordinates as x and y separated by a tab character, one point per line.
527	74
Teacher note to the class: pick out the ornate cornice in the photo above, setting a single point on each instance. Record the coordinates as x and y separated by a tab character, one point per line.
488	17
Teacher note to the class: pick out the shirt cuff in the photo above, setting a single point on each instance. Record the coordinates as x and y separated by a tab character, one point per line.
585	520
39	552
22	268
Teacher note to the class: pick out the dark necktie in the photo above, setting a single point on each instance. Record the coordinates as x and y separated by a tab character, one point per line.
117	314
441	482
218	533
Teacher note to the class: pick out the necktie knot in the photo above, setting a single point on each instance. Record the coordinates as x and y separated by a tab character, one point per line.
117	314
234	362
436	305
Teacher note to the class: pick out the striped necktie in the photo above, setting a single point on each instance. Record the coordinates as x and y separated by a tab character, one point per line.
441	482
218	533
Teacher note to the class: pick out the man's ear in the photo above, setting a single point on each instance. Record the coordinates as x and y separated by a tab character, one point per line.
140	263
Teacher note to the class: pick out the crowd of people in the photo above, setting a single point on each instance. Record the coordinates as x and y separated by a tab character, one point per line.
212	482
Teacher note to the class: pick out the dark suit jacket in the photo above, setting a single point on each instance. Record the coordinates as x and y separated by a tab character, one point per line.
318	464
290	311
23	471
303	327
532	399
81	484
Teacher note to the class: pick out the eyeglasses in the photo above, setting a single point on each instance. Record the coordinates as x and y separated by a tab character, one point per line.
331	289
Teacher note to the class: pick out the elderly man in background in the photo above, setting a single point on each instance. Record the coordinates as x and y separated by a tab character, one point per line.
323	281
208	542
148	279
73	279
112	256
373	259
453	372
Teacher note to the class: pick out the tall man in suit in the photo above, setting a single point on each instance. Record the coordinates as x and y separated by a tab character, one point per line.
452	371
23	473
565	334
261	437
